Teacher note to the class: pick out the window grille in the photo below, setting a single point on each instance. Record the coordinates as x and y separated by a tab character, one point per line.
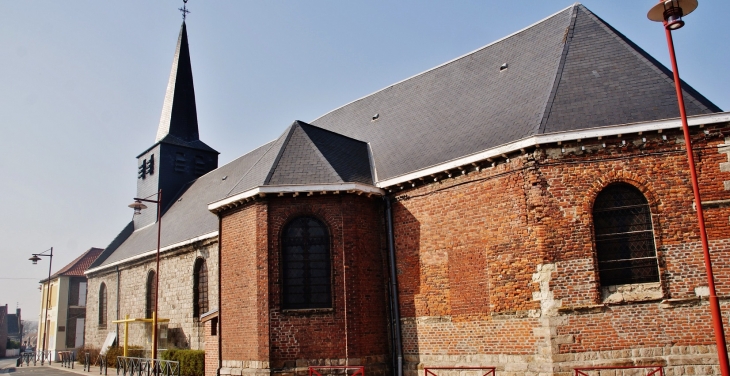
306	265
102	305
624	236
200	288
180	162
151	292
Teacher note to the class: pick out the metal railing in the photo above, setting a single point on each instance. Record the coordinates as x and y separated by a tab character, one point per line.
488	371
129	366
28	357
650	370
359	370
67	358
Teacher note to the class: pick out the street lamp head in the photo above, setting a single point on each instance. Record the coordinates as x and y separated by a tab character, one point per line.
35	259
670	12
137	205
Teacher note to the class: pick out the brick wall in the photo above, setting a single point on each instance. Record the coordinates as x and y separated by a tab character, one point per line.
175	297
211	347
497	266
353	331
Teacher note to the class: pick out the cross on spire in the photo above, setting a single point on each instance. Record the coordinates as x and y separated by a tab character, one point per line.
184	10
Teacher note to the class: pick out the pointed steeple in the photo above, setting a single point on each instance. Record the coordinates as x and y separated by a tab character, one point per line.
177	157
179	116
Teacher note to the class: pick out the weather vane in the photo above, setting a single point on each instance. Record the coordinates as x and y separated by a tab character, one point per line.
184	9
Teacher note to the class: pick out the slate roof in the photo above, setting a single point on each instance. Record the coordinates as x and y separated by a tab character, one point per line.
322	157
179	119
77	267
570	71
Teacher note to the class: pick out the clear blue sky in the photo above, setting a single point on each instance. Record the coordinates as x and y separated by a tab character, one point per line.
82	84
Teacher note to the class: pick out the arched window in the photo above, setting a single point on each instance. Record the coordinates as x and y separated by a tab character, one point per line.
624	236
102	305
306	265
151	292
200	288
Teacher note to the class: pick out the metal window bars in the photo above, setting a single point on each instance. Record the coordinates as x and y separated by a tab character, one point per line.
129	366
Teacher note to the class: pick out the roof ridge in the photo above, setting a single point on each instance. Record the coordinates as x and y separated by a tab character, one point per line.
688	91
252	165
559	71
289	131
302	123
319	153
450	61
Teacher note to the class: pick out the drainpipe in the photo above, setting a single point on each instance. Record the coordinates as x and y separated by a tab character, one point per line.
394	288
220	294
118	273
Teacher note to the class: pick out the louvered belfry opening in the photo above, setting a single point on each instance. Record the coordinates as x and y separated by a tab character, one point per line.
200	288
624	236
151	291
306	265
102	305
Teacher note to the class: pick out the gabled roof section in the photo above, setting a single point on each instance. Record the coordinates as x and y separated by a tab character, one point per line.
77	267
605	79
312	155
179	119
471	104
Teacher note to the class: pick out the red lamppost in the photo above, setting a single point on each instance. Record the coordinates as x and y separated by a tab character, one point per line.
137	205
670	13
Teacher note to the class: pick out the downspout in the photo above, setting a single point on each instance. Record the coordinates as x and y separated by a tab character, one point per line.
220	294
118	290
394	288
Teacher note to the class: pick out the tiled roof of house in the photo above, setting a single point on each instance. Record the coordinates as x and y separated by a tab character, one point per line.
78	266
570	71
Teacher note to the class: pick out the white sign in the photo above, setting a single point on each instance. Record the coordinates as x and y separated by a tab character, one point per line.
108	342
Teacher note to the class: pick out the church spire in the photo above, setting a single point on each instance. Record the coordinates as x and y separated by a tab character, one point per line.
179	116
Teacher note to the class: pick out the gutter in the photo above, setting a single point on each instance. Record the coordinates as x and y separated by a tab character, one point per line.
153	252
543	139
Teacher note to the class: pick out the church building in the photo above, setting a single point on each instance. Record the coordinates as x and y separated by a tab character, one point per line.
526	206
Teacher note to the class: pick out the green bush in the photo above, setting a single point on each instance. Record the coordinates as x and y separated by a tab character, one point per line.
192	362
10	344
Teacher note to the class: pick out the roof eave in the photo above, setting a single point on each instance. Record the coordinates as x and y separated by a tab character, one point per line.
262	191
548	138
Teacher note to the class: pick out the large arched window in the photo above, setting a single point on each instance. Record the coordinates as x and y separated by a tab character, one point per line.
624	236
306	265
200	288
151	292
102	305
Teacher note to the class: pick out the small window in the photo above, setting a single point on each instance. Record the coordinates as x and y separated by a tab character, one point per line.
624	236
180	162
200	288
214	326
306	265
102	305
142	170
199	165
151	165
151	293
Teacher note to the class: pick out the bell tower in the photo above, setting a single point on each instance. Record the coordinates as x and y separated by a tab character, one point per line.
177	157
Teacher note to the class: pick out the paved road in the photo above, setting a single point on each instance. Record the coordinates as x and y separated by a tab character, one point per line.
7	366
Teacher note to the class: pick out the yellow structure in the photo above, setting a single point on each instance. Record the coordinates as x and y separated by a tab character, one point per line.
126	322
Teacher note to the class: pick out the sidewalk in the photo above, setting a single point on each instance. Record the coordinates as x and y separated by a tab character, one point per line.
78	368
7	364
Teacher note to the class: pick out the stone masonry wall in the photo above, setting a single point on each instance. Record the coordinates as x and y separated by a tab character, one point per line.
175	296
497	267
